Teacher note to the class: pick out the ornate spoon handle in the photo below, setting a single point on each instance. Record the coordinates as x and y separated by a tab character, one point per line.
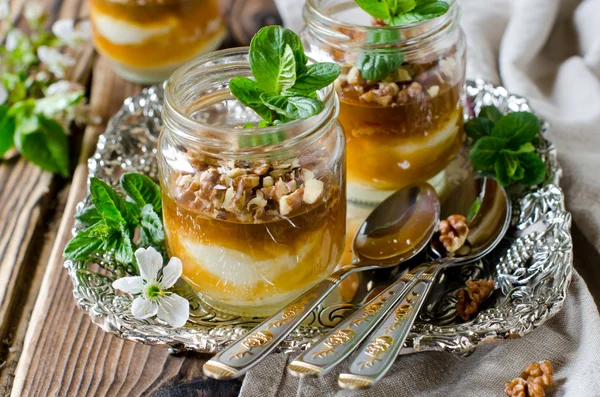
329	351
376	356
248	351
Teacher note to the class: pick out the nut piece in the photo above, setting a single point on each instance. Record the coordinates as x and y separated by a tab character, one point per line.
516	388
471	298
291	202
533	382
453	232
313	188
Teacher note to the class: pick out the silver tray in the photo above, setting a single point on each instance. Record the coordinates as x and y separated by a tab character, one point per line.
532	268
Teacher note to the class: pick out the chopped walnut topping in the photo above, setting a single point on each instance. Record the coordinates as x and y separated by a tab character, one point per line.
250	191
533	382
469	300
453	232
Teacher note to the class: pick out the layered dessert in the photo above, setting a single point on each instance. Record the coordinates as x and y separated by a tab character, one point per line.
148	40
254	235
405	128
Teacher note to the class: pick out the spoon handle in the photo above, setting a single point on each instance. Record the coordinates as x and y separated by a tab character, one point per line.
377	355
249	350
334	347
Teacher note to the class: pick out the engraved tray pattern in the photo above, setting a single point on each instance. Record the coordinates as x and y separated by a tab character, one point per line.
532	268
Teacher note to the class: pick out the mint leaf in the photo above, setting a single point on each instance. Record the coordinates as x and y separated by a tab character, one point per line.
152	232
474	210
534	169
316	77
478	128
401	6
378	64
501	170
517	128
376	8
119	242
491	113
89	216
295	107
43	142
420	13
524	148
7	131
142	190
249	94
109	204
87	242
484	153
274	52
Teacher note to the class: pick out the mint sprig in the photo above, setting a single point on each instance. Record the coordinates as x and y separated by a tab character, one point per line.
112	220
503	146
284	86
403	12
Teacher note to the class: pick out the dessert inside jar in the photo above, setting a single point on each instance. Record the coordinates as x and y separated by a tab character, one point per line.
147	40
400	91
256	215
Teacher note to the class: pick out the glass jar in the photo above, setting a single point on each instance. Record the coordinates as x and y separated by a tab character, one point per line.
257	216
401	93
146	40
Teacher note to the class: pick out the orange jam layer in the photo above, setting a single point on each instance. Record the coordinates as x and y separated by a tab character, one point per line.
247	264
180	29
390	147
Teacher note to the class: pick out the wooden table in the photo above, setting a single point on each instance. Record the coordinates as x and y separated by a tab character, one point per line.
47	345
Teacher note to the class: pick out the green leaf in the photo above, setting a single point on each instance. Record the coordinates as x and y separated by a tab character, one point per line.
420	13
152	232
501	170
249	94
478	128
119	242
316	77
375	8
52	105
89	216
397	7
87	242
142	190
524	148
43	142
484	153
112	207
295	107
474	210
377	64
511	165
7	131
517	128
491	113
274	53
534	169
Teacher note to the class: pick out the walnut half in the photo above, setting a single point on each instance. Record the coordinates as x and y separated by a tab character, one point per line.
453	232
471	298
533	382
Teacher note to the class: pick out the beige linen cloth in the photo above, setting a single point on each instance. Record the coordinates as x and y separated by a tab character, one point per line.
548	51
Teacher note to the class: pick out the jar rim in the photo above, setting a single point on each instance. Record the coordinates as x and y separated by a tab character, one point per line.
317	19
172	110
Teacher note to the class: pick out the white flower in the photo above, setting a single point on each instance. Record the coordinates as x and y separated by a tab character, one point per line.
65	30
154	299
63	87
56	62
12	39
3	94
33	13
4	9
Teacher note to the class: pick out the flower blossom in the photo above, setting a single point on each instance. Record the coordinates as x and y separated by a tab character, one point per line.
73	36
54	60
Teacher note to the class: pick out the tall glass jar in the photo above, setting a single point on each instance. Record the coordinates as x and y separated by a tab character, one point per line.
146	40
257	216
401	93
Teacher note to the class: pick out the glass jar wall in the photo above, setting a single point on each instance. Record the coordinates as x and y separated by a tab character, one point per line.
400	91
257	216
147	40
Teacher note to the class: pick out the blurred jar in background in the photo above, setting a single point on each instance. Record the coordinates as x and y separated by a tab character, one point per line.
147	40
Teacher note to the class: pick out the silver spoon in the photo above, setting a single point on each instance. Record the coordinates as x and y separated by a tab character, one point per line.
397	230
487	229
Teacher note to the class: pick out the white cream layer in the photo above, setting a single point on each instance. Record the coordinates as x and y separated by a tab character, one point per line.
120	32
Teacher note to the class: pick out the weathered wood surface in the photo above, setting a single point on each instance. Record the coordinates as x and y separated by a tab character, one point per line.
55	348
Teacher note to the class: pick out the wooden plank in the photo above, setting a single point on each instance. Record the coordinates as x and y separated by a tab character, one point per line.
25	192
64	353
